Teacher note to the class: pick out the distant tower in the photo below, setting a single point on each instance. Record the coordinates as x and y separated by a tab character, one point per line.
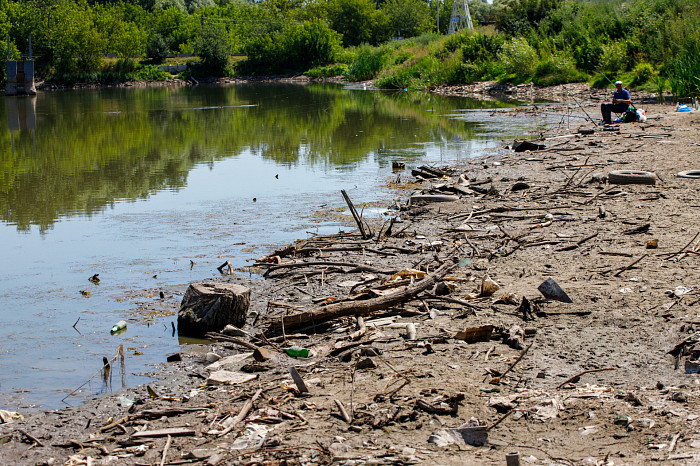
461	19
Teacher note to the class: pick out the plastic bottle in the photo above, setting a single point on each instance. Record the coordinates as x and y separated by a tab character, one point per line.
121	325
297	352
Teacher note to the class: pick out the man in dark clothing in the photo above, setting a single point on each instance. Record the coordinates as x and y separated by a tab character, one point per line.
620	102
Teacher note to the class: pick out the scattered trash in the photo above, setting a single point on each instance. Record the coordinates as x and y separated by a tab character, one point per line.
474	435
622	420
522	146
118	327
488	286
297	352
513	459
475	334
298	380
692	174
551	290
632	177
515	337
125	402
652	244
678	291
410	331
9	416
229	378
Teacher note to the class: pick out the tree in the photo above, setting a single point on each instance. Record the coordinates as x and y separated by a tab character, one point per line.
157	49
214	48
408	18
357	20
127	40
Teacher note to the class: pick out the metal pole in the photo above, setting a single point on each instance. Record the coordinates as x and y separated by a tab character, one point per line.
438	16
8	46
30	47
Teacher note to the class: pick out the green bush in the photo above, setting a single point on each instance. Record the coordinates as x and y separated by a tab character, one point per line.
158	48
481	71
587	54
150	73
613	57
339	69
457	40
402	56
213	48
642	73
481	47
297	47
368	63
401	79
557	69
518	57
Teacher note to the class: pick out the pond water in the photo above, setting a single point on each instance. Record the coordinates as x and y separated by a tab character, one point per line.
155	187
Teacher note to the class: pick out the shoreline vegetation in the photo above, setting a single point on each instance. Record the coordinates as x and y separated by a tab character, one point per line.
652	46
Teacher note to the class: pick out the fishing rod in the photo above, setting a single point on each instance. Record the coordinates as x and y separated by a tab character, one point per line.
581	107
564	115
604	75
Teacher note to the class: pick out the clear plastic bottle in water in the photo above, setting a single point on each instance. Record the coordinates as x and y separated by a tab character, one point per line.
119	326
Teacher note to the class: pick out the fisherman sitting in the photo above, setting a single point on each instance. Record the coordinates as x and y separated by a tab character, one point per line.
620	102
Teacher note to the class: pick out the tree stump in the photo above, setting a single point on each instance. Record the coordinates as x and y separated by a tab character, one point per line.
209	307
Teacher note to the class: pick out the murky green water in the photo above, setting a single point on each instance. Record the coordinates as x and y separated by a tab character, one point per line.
133	184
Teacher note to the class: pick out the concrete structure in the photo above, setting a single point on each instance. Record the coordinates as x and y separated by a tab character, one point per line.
173	69
20	77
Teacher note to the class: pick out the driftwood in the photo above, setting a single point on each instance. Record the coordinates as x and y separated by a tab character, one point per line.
173	431
240	416
358	219
209	307
364	307
356	267
577	377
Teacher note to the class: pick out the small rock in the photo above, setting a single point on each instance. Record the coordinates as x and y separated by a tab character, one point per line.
211	357
263	354
442	289
366	363
215	459
679	397
519	186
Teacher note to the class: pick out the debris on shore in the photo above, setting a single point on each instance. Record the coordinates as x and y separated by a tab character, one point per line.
509	304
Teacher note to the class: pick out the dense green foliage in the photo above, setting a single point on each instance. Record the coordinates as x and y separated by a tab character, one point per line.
543	41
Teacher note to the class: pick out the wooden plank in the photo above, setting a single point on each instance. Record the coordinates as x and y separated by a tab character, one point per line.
173	431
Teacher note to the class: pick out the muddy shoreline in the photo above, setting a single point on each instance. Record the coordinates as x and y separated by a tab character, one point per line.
519	218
